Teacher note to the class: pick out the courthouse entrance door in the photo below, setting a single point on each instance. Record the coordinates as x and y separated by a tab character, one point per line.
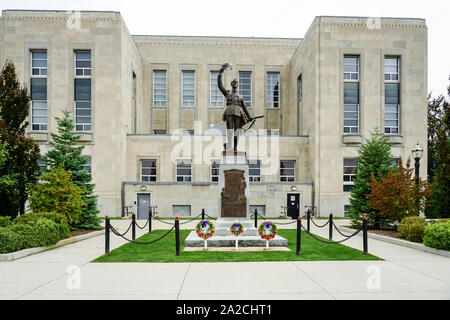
143	205
293	205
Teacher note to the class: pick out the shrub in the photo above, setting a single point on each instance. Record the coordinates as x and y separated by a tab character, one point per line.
43	232
412	228
33	217
5	221
9	241
437	235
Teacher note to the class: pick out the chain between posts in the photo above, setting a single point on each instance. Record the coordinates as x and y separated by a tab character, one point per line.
132	241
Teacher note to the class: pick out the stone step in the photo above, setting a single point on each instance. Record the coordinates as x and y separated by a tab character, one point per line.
193	240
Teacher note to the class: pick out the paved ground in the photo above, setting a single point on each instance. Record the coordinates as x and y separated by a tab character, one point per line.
406	274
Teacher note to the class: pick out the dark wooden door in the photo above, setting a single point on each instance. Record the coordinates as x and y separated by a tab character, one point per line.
293	205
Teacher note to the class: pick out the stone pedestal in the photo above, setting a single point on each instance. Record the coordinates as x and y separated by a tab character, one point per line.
233	206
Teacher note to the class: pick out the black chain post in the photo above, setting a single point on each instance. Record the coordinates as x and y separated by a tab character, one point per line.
256	218
203	214
299	235
133	227
150	220
330	228
365	235
107	227
308	222
177	236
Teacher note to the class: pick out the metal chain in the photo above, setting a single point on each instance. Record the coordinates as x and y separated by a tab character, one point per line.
148	242
140	226
126	231
330	242
344	235
191	219
318	225
163	221
281	223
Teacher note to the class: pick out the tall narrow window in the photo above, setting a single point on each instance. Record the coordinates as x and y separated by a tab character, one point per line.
299	88
254	171
133	101
216	96
188	88
273	90
351	94
159	88
214	170
245	87
83	111
349	173
184	170
38	90
87	167
148	170
391	94
287	170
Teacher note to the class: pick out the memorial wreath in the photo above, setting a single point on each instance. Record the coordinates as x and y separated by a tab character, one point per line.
236	228
205	229
267	230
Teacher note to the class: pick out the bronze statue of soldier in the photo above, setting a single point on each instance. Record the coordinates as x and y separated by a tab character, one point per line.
236	114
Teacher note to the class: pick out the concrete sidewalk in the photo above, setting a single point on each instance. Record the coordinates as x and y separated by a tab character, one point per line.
406	274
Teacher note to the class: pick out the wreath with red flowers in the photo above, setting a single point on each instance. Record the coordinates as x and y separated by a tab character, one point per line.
236	228
267	230
205	229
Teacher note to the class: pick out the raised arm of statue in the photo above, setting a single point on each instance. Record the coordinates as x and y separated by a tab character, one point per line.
220	82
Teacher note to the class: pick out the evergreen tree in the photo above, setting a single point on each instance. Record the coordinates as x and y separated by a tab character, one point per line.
23	152
435	115
374	158
65	150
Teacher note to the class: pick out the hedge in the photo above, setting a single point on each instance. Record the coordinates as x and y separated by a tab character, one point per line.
10	241
412	228
437	235
42	233
5	221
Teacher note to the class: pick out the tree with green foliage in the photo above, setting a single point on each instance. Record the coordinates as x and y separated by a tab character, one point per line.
65	150
57	193
23	153
374	159
6	181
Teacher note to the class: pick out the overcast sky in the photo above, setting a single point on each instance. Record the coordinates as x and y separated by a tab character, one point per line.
280	18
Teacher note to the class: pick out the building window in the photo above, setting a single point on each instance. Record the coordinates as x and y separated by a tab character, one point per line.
245	87
299	88
83	64
38	88
347	210
87	167
287	170
42	165
184	170
391	95
148	170
261	210
273	90
188	88
214	171
351	107
181	210
216	97
349	173
82	87
254	170
351	68
159	131
159	88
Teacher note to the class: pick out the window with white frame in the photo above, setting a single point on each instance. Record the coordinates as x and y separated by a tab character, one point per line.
184	170
351	68
42	165
188	88
148	170
159	88
82	88
392	95
254	170
87	167
287	170
349	173
245	87
273	90
38	89
214	170
347	210
216	97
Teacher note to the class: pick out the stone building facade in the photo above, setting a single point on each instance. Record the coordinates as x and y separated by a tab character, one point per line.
144	105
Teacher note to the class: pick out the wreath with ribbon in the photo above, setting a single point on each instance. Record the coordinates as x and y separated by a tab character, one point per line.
205	229
236	228
267	230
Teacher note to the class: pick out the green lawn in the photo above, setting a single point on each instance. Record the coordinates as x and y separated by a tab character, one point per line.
164	251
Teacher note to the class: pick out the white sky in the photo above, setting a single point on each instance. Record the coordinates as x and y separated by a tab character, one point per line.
280	18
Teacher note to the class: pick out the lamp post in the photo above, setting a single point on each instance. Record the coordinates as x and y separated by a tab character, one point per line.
417	153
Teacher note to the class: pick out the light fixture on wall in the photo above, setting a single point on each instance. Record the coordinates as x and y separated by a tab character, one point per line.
143	188
293	188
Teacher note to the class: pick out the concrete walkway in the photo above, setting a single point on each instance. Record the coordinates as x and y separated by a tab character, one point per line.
406	274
